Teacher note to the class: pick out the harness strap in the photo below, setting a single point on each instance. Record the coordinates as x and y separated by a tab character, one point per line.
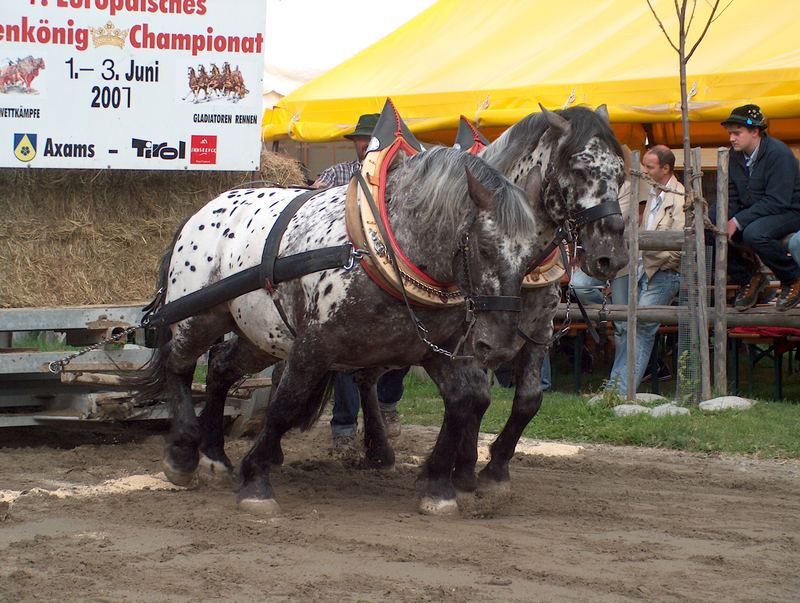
560	235
585	316
531	340
502	303
601	210
421	330
273	242
276	270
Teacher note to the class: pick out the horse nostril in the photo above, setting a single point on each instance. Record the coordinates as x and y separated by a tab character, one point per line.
604	265
483	348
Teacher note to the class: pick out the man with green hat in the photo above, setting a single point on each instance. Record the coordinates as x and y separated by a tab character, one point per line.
764	207
340	173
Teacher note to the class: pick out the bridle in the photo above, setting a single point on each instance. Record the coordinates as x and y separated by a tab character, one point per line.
566	235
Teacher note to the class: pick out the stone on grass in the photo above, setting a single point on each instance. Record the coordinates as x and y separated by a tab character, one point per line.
647	398
640	397
669	409
626	410
596	399
727	403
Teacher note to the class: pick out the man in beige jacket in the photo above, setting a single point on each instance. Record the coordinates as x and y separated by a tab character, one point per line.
657	272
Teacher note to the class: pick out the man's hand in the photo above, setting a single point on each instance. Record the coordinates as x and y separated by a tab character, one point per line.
731	229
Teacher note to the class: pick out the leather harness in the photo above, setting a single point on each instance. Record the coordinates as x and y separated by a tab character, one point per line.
271	271
373	243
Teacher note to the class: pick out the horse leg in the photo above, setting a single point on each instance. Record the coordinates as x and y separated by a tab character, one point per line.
297	403
527	401
464	478
179	357
466	394
379	453
228	362
538	310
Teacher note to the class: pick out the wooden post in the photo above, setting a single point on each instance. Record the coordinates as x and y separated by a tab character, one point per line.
702	289
721	277
633	285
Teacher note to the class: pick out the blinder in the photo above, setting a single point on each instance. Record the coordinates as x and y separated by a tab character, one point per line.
567	233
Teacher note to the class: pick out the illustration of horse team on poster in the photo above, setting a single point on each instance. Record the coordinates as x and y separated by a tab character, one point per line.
216	83
18	76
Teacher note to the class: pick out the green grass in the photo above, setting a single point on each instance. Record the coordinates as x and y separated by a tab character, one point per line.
768	430
37	340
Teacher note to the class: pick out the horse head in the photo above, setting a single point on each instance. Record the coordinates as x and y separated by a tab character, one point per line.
582	169
477	232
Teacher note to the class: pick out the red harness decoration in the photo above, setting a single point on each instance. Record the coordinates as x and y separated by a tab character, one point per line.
391	136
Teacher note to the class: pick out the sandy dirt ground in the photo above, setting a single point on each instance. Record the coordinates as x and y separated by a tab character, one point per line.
88	521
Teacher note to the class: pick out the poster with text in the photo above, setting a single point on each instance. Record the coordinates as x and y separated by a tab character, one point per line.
131	84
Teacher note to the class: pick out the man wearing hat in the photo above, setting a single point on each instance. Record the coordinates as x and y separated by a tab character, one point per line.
764	207
346	399
340	173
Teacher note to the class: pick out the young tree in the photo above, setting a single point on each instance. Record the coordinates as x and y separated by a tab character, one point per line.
697	297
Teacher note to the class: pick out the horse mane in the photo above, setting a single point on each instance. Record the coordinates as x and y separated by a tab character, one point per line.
431	187
524	136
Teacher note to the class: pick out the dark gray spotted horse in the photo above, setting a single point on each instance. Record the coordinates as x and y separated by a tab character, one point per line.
579	164
577	151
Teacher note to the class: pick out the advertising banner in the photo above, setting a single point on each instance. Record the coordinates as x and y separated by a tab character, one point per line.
131	84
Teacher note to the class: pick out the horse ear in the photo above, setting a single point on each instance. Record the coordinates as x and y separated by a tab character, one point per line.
602	111
533	186
555	120
481	195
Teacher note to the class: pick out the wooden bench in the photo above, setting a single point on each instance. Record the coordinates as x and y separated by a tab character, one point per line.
772	351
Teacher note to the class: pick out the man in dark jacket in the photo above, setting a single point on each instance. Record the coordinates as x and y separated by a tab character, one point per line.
764	207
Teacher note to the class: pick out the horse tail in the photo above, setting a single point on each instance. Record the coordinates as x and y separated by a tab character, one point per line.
316	401
148	385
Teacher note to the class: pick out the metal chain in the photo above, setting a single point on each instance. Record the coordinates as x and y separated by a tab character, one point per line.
56	366
565	326
427	289
604	309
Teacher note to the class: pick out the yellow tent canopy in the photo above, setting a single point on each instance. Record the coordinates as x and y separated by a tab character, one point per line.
495	61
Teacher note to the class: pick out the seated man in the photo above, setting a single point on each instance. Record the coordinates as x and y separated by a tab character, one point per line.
763	206
657	272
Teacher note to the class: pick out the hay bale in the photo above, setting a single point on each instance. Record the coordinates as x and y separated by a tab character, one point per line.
75	237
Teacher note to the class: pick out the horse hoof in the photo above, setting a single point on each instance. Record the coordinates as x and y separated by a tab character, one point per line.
378	466
383	462
431	506
184	479
491	486
214	471
265	507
